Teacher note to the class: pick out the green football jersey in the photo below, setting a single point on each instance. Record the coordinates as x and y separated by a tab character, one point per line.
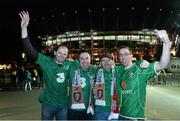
133	86
85	82
55	77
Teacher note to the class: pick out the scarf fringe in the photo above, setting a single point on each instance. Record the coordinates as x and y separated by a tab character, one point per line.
90	110
78	106
113	116
100	102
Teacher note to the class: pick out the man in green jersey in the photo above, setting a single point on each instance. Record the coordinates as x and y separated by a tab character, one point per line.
105	86
82	79
134	80
54	96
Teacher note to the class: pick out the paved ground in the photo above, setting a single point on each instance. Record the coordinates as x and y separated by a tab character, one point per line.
163	103
19	105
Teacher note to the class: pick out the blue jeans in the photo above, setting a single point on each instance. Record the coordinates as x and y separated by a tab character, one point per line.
48	112
101	115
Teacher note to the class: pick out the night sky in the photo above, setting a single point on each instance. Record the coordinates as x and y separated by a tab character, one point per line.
53	17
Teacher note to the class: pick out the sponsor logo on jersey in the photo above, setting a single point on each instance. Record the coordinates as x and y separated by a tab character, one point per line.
126	91
60	78
83	82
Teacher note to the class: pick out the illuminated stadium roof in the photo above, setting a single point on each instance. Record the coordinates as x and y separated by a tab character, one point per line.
139	36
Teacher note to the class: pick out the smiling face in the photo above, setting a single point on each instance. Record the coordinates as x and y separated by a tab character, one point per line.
61	54
85	60
106	63
125	56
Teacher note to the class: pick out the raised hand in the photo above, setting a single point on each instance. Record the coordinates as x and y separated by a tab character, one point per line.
24	19
162	34
165	56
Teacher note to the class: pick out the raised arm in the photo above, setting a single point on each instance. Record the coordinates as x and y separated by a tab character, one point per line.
24	35
165	56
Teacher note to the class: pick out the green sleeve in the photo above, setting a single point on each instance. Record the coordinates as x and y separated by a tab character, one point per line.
75	62
138	62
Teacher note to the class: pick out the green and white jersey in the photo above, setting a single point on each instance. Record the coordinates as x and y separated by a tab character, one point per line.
85	82
55	78
108	79
133	85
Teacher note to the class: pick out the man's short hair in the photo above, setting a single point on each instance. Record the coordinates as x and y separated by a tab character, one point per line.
58	46
83	51
124	46
107	56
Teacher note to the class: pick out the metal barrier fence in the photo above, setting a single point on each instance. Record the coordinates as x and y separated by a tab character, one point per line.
172	79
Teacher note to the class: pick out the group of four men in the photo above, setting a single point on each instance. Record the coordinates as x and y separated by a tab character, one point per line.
107	92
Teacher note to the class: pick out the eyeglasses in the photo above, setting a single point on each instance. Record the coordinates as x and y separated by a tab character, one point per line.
106	60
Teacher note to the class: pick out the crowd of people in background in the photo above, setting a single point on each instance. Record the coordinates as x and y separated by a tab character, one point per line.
16	78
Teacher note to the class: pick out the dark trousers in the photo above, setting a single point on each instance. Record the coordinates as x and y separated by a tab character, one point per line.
78	115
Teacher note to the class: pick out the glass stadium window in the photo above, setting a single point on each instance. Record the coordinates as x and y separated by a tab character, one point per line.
97	37
147	38
49	42
109	37
74	39
135	37
122	37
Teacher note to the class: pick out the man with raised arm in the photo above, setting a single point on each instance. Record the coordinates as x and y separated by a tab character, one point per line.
133	81
55	69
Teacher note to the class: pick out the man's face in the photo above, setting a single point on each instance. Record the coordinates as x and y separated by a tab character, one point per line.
125	56
106	63
85	60
61	54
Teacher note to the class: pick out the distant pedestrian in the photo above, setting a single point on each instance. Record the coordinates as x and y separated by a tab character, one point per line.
28	80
